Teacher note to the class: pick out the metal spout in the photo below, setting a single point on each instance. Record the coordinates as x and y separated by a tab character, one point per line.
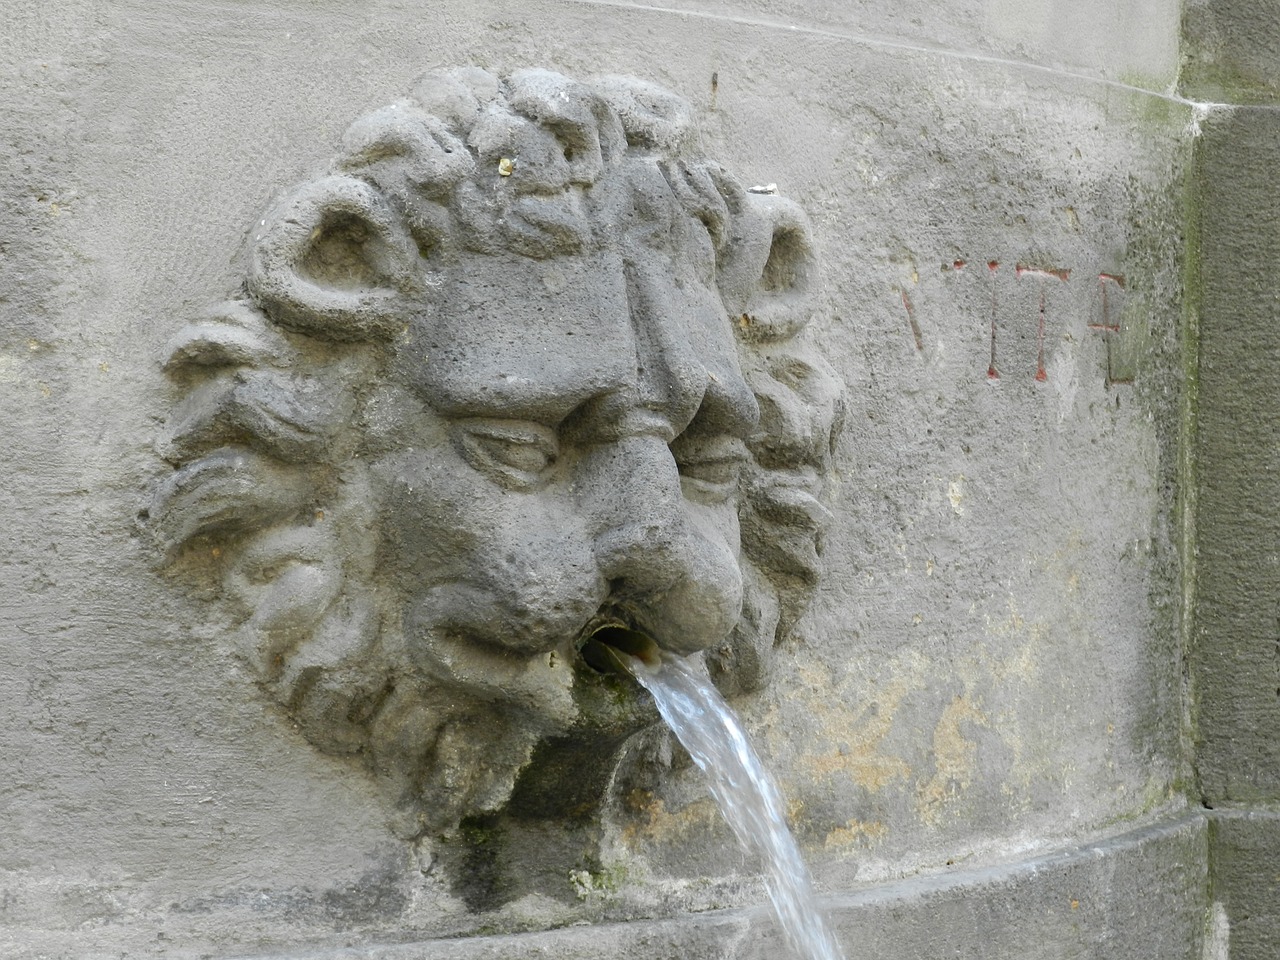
605	647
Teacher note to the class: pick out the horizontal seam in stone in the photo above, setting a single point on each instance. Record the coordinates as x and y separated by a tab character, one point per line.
907	47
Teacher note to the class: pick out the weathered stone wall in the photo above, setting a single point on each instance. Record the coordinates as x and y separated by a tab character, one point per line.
1235	642
980	723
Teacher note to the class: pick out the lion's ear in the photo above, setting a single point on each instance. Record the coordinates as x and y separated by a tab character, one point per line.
333	260
785	272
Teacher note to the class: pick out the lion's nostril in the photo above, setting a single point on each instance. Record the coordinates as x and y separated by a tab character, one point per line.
602	647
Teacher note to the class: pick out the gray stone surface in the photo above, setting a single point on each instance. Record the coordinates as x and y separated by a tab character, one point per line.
1130	43
1236	652
991	669
1230	49
1245	882
1057	906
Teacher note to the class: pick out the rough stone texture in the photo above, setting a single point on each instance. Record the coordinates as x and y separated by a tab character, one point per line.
1045	908
992	669
1245	880
1131	43
1235	653
1052	907
1230	51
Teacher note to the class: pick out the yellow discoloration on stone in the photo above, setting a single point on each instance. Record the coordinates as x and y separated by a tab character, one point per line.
1031	662
955	759
795	807
855	833
1007	625
15	368
854	721
1011	665
662	826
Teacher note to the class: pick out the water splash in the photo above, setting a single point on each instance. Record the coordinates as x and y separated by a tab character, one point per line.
747	794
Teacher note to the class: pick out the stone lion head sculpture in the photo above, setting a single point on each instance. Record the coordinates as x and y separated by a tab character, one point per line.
522	364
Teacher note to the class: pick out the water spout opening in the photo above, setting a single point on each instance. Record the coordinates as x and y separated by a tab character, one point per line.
603	648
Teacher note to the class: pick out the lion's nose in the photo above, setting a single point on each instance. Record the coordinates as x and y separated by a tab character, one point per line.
678	579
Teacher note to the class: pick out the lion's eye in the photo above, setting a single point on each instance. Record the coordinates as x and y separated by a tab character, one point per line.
710	467
514	453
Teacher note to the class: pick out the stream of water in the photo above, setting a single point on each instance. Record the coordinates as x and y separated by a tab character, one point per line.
747	794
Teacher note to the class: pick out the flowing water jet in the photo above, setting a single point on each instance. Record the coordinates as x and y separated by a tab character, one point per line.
748	797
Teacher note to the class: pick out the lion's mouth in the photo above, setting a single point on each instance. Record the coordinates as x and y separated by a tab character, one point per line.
611	646
610	700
